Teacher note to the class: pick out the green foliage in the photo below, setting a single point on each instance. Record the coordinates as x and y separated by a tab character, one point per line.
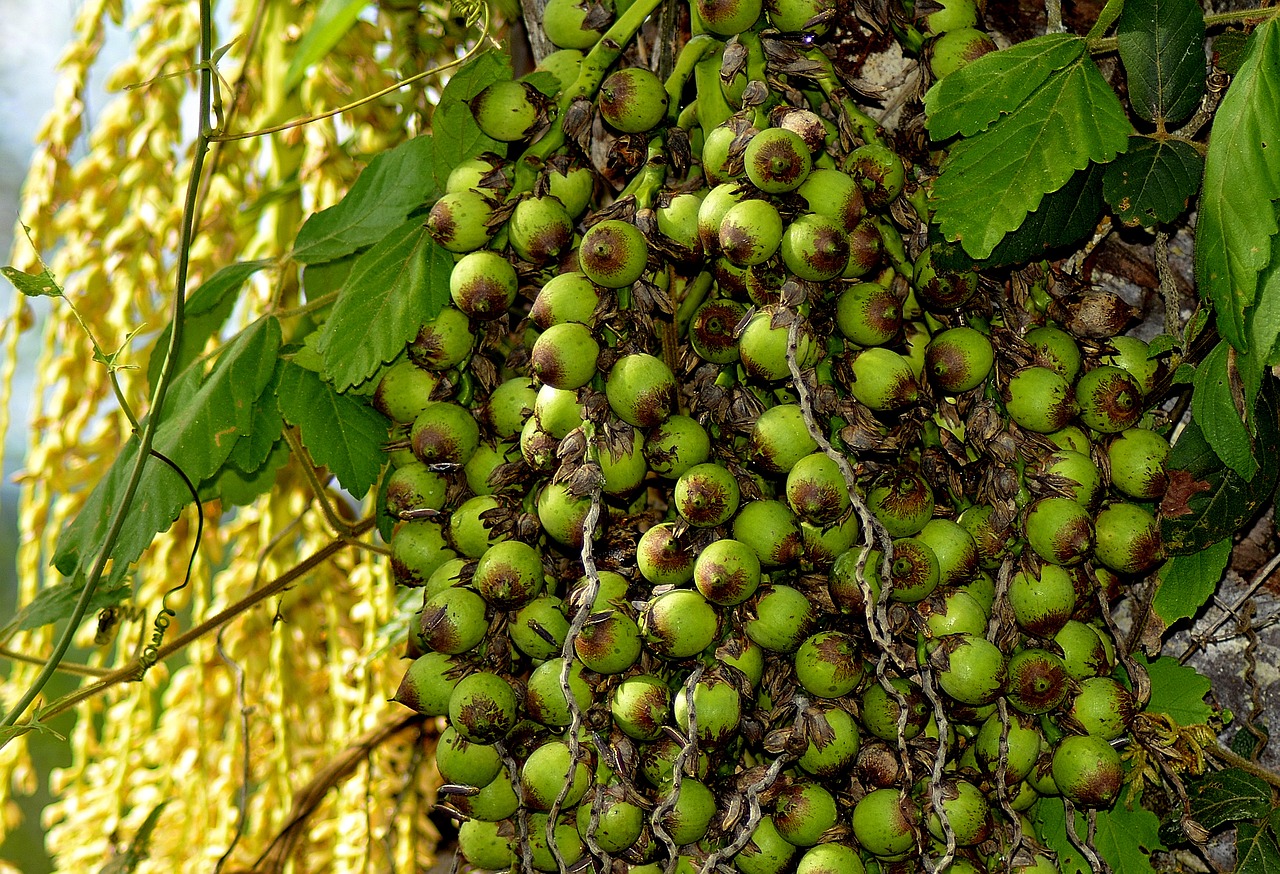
1153	181
1125	837
1241	184
40	284
1187	581
1258	847
1162	47
205	417
1218	405
1228	796
392	289
342	432
1178	691
455	135
1021	140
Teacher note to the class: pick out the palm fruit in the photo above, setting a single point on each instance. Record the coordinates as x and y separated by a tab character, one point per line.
777	160
1128	538
442	342
816	489
566	297
507	111
1134	356
679	624
695	807
633	100
706	495
444	433
482	707
830	859
1087	770
1082	651
1102	707
1074	475
613	253
454	621
884	822
959	359
545	773
953	15
815	247
1055	349
1038	681
768	852
404	391
459	220
567	841
572	185
1059	530
727	572
727	17
1110	400
878	171
829	664
428	684
641	390
619	822
771	529
967	812
483	285
954	548
676	445
718	705
881	710
750	232
482	844
544	698
782	620
803	812
1042	602
779	438
572	24
1021	737
956	48
762	346
915	570
1138	458
640	706
833	742
1039	399
883	380
868	314
539	227
975	670
539	628
902	500
662	559
564	356
678	221
834	194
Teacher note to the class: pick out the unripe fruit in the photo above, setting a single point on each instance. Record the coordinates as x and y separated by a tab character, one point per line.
715	204
483	285
539	228
482	845
834	194
990	531
1082	651
545	773
975	671
868	314
509	406
613	253
763	347
881	711
1102	707
727	572
959	359
1041	604
679	624
815	247
1138	459
1134	356
429	682
633	100
539	628
470	530
707	495
959	47
453	621
442	342
750	232
956	550
1087	771
829	664
676	445
544	699
1059	530
915	570
641	390
803	812
657	762
609	643
824	543
783	617
884	822
494	802
1039	399
1128	538
567	841
878	171
557	411
830	859
415	487
619	826
1110	399
564	356
953	15
1024	742
459	221
641	706
694	809
883	380
1037	681
566	297
793	15
562	514
1073	473
404	391
484	172
770	528
727	17
444	433
712	330
767	852
780	438
662	559
777	160
678	221
1055	349
902	500
573	186
968	814
833	742
418	548
506	111
565	24
482	707
461	761
719	708
816	489
954	612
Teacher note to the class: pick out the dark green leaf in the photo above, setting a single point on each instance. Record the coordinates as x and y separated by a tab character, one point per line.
975	96
1186	582
57	602
1256	849
1161	44
40	284
238	487
1208	501
1216	405
1241	182
1245	742
1153	181
202	421
341	432
325	277
1227	796
1064	217
991	181
1262	324
308	354
548	84
393	288
333	19
394	184
1228	50
1177	690
252	450
1125	837
207	310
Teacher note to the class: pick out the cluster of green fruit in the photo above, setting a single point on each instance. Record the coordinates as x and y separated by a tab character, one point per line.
745	541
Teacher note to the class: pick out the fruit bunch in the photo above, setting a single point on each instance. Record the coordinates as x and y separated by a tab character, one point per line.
749	536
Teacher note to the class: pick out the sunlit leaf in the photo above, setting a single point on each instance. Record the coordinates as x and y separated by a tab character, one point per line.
1186	582
1177	690
40	284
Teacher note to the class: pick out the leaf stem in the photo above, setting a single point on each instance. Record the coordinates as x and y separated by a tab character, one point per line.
1222	754
147	437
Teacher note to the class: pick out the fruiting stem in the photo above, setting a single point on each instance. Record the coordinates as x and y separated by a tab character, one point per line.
830	85
1096	863
694	51
939	765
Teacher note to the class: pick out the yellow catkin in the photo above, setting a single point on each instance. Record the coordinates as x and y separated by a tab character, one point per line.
311	686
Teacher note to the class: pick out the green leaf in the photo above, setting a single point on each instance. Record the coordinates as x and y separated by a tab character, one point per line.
333	19
1064	217
454	132
1257	851
548	84
206	310
1153	181
40	284
341	432
1125	837
1161	44
975	96
392	289
238	487
1228	50
252	450
991	181
1215	405
1208	501
1227	796
1241	182
394	184
1186	582
203	419
1177	690
57	602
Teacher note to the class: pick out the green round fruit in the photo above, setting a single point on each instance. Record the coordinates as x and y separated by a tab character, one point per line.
1088	771
507	111
633	100
482	707
564	356
884	822
613	253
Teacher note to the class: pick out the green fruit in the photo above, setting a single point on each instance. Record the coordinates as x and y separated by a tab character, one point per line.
418	548
1087	770
727	572
509	406
609	643
494	802
414	487
771	530
459	220
1082	651
567	841
694	809
834	194
762	347
633	100
470	527
444	433
719	709
483	285
768	852
942	291
566	23
803	813
657	762
957	48
429	682
914	570
833	742
1102	707
707	495
1059	530
824	543
1042	603
955	549
953	15
618	827
539	227
482	844
968	814
829	664
1074	475
794	15
574	185
718	201
883	380
463	762
562	514
509	574
613	253
727	17
815	247
990	531
566	297
404	391
777	160
975	671
676	445
750	232
782	620
1038	681
1024	741
884	822
641	390
868	314
1138	461
1128	538
779	438
662	558
1110	399
564	356
1039	399
641	706
830	859
545	773
442	342
679	624
539	628
959	359
1055	349
544	698
881	710
816	489
902	501
480	172
507	111
878	171
713	330
678	221
453	621
1134	356
954	612
482	707
557	411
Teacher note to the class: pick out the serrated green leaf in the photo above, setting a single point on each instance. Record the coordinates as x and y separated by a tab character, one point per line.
454	132
1186	582
331	23
1161	44
1064	217
237	487
548	84
203	419
394	184
1227	796
341	432
1214	407
1241	182
40	284
57	602
207	310
1177	690
1257	851
975	96
392	289
1208	501
1228	50
1125	837
1262	324
991	181
265	426
1153	181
